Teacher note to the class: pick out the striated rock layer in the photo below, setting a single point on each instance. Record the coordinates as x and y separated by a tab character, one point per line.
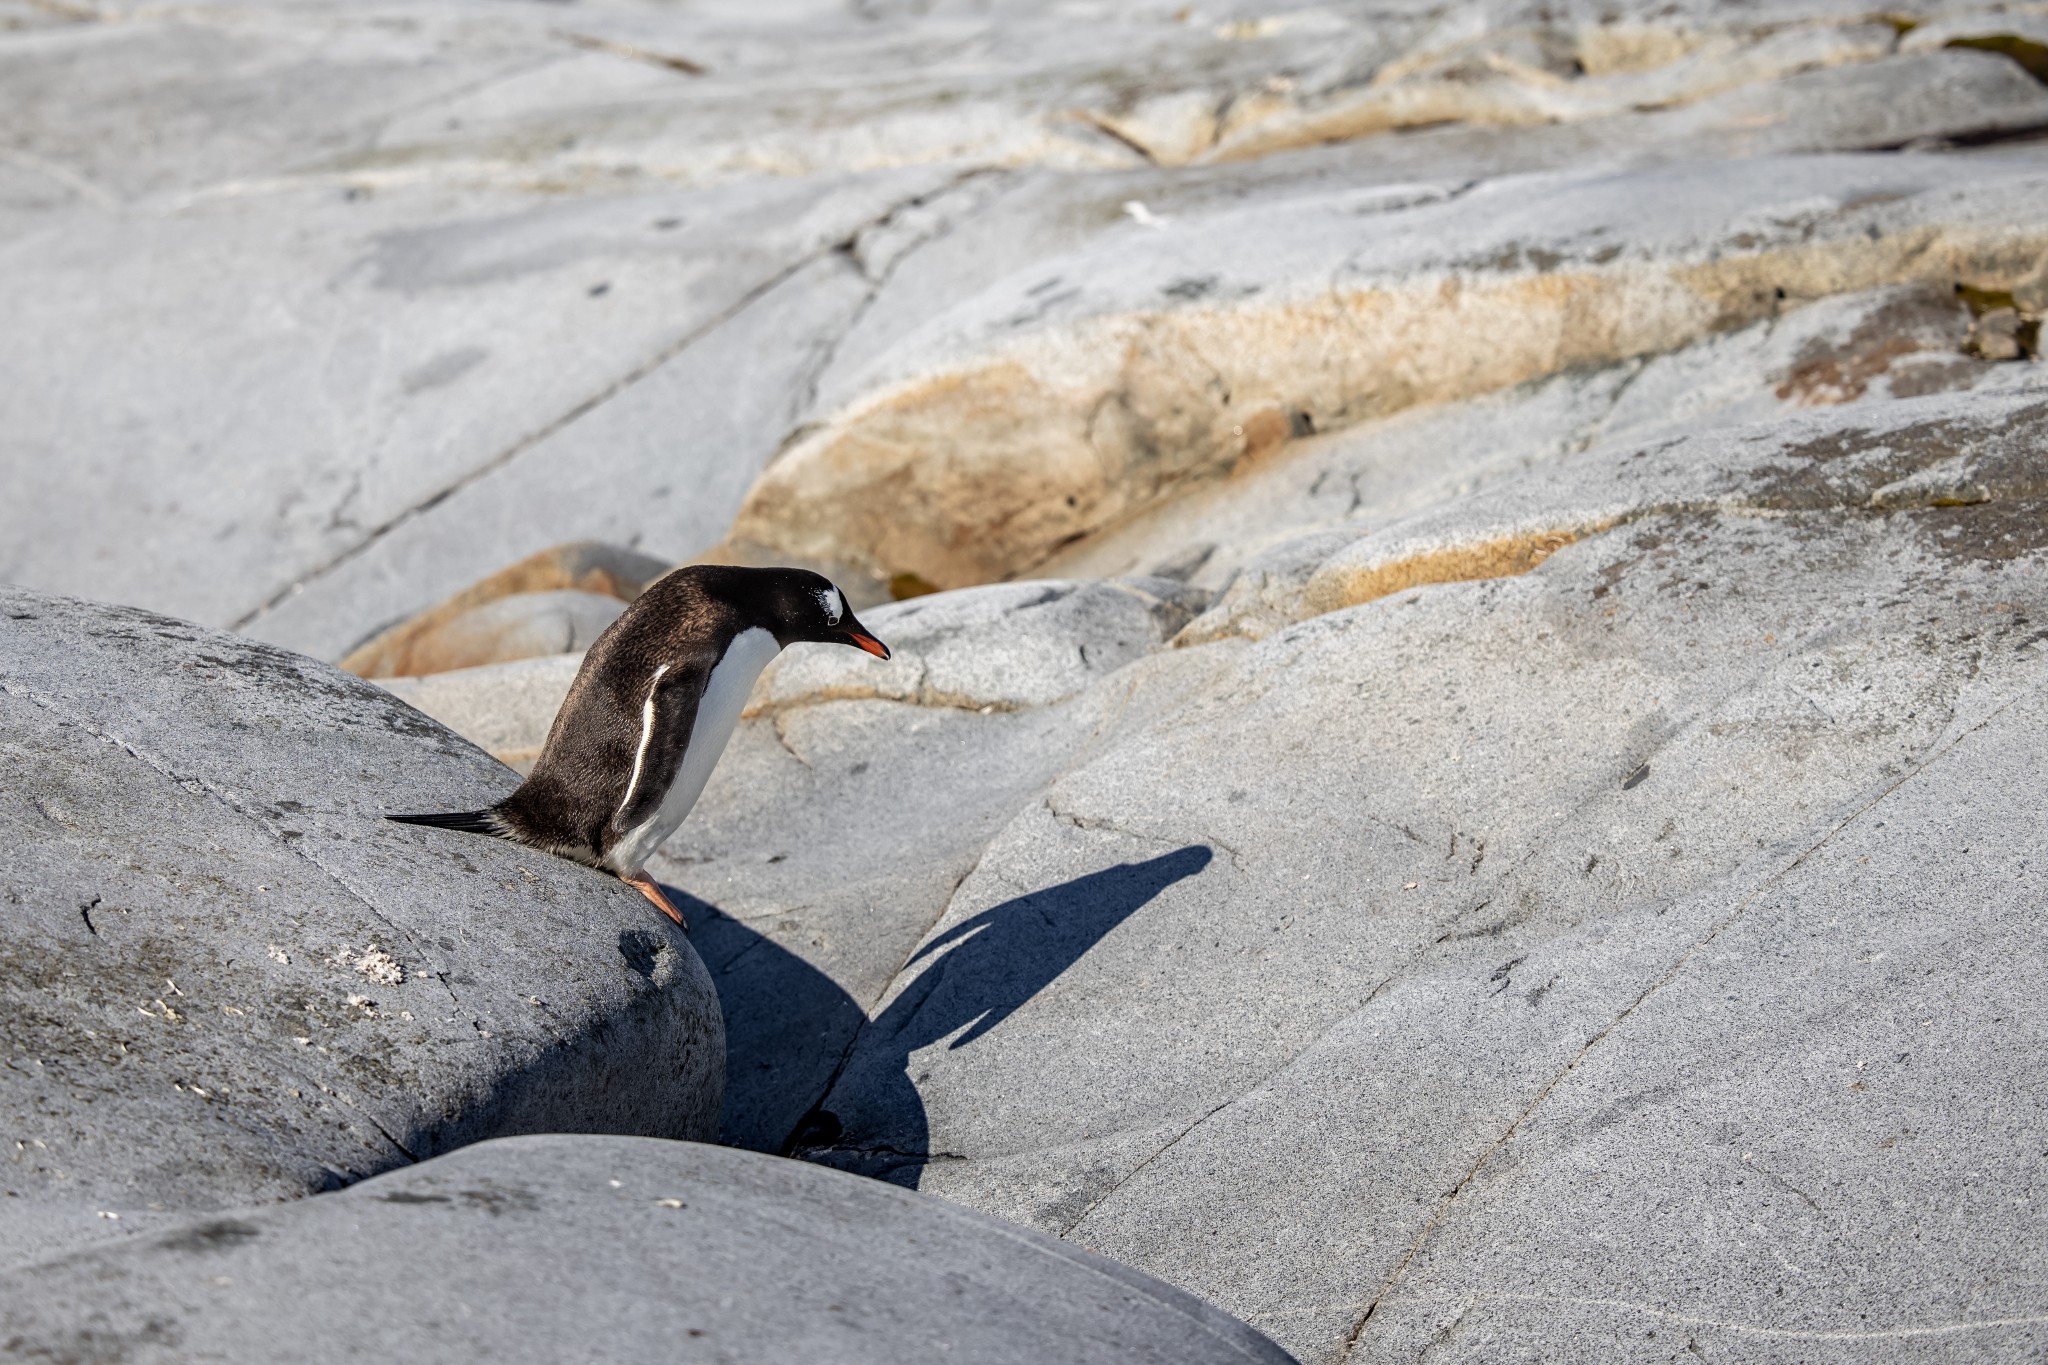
1052	406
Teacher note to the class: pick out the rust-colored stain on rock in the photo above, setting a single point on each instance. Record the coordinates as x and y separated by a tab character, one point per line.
1505	556
411	647
983	472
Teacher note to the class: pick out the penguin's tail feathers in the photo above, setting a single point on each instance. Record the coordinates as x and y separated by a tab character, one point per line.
470	821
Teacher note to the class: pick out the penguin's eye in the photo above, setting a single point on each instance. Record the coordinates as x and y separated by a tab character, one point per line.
833	603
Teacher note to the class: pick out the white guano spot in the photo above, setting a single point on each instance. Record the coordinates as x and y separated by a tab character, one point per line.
380	966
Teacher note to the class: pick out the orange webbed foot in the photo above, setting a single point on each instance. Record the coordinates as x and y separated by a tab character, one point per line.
651	889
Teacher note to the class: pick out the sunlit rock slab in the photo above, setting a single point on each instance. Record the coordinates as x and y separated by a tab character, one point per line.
404	366
1267	969
1059	400
1816	1138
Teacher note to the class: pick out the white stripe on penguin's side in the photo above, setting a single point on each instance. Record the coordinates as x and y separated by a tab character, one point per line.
646	733
718	713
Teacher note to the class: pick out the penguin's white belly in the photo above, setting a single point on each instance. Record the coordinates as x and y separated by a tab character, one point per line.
718	712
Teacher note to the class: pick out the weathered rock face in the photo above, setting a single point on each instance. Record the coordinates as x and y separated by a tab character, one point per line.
1839	1049
545	1248
1473	798
1285	958
228	979
1261	531
501	279
1058	401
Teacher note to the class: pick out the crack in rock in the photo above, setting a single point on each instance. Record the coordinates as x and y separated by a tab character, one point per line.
1901	1333
533	438
200	787
1677	968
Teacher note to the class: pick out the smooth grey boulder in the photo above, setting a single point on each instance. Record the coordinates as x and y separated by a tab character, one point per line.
227	979
546	1249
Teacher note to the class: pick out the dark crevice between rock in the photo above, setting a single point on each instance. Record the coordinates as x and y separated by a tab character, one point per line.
2031	56
1963	139
1164	1148
878	280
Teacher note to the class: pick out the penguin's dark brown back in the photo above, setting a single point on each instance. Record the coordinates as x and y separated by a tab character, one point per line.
605	789
566	805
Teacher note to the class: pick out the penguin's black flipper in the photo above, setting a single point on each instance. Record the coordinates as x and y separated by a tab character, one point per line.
669	719
471	821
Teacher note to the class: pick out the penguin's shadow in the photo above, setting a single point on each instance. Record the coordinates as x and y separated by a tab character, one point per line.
791	1031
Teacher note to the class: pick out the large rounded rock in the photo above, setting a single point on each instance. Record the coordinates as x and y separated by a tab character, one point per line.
565	1248
225	978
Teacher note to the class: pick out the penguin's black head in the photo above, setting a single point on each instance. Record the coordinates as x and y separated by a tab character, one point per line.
801	605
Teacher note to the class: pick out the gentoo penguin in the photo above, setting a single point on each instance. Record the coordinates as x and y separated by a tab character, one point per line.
650	711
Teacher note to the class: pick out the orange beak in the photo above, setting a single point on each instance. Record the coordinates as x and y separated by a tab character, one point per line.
860	639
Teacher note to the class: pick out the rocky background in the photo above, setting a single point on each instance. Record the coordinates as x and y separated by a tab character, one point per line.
1462	774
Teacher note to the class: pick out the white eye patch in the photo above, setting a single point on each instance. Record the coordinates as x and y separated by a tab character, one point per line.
833	603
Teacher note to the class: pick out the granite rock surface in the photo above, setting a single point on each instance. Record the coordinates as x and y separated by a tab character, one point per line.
555	1248
1471	790
404	296
1261	962
229	980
